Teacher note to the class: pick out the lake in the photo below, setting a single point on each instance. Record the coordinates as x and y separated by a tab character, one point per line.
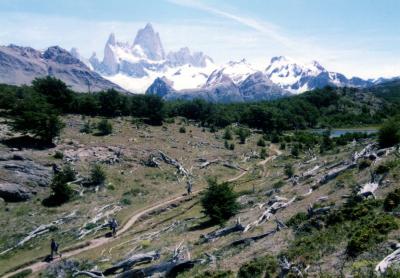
341	131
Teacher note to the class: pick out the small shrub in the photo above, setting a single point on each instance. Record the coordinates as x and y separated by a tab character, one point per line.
289	171
261	142
392	200
364	163
382	169
104	127
97	175
226	144
58	155
126	202
227	134
213	129
372	232
295	151
219	201
86	128
263	153
278	184
216	274
61	192
182	129
232	147
242	134
282	146
22	274
297	219
389	133
263	267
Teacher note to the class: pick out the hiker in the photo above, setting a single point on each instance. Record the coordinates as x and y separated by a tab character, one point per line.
189	188
54	248
113	226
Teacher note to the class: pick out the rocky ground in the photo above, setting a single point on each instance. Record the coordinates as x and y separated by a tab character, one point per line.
157	225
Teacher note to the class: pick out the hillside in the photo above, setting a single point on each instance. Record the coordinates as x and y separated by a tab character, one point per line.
308	203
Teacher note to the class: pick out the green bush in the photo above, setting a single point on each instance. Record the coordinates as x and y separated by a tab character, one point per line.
263	153
261	142
263	267
278	184
219	201
289	171
216	274
295	150
126	201
86	128
97	175
104	127
242	134
58	155
364	163
182	129
227	134
373	229
61	191
22	274
226	144
297	219
389	133
33	115
392	200
232	147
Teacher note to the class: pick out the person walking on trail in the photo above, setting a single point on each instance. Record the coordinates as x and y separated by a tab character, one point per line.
113	227
189	187
54	248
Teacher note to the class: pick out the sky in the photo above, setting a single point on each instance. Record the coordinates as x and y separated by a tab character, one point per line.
354	37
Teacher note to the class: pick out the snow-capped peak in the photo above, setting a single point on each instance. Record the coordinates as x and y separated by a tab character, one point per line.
237	71
287	73
150	42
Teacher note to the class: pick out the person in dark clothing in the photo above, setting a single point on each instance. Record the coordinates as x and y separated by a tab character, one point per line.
113	226
189	187
54	249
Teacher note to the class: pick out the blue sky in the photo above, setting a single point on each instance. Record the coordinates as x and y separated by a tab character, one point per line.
355	37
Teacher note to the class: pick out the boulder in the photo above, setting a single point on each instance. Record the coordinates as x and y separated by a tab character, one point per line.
12	192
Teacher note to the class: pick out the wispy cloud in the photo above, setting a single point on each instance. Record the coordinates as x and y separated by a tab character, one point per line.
261	26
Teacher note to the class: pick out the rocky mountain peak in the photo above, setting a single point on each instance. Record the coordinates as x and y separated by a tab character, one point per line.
150	42
60	55
111	39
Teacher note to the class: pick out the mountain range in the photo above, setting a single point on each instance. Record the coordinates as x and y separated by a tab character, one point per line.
143	66
20	65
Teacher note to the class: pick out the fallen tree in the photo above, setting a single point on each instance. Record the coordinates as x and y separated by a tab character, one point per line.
133	260
181	170
336	172
238	227
247	240
42	229
390	259
277	203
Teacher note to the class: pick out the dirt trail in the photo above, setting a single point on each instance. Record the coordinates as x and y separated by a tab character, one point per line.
38	266
91	244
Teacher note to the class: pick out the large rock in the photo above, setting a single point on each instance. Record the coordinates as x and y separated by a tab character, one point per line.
12	192
21	170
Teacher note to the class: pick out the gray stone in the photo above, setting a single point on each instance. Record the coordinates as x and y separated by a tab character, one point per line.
12	192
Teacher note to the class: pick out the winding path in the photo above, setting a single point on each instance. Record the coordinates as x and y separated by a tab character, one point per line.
93	243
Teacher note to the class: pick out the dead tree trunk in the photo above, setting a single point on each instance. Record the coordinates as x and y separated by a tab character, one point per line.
383	265
128	263
238	227
182	170
166	269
